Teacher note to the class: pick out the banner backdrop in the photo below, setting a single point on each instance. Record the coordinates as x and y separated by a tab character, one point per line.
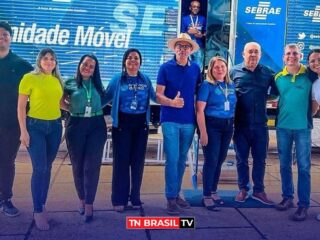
106	28
263	22
303	25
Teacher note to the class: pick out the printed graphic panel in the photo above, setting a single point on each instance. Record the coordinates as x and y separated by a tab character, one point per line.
106	28
304	25
263	22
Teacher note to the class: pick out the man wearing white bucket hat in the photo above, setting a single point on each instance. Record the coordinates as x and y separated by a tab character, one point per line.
177	83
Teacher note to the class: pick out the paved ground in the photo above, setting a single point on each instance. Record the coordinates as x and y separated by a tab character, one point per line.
230	223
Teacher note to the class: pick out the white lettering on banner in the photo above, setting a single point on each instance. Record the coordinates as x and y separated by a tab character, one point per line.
126	22
36	35
58	36
315	14
263	10
97	39
119	27
150	21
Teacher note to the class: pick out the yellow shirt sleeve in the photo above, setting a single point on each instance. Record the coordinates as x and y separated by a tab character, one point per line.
25	85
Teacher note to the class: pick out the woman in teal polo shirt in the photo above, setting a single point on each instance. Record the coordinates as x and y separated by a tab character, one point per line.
86	130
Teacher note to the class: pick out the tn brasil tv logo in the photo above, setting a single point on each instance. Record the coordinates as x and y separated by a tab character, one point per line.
262	11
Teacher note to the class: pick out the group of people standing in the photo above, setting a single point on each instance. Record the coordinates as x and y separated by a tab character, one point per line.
226	104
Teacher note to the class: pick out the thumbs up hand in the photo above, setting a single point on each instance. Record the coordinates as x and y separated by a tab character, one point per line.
177	102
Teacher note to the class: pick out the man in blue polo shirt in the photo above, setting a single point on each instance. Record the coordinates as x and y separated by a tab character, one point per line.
253	82
195	25
176	87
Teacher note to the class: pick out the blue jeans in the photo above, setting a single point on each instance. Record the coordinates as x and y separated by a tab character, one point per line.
177	139
302	140
198	58
256	139
219	132
45	137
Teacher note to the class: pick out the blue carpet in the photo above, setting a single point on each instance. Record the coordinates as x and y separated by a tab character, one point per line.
194	197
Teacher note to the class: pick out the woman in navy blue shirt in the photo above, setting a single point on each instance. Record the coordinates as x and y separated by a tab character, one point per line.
216	102
130	92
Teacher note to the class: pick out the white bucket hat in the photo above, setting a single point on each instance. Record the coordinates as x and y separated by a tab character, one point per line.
183	37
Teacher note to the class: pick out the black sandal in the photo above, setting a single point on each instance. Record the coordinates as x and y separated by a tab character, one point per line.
210	207
216	198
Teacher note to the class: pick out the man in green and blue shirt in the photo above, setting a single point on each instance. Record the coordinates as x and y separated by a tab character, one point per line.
294	125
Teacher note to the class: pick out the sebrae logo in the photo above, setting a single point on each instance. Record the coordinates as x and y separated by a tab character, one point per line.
263	10
314	14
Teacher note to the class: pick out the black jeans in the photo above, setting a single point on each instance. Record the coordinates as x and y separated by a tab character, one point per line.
256	139
219	132
9	146
129	142
85	140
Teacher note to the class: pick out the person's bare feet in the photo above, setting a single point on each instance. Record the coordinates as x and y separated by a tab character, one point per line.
41	221
45	213
88	213
88	209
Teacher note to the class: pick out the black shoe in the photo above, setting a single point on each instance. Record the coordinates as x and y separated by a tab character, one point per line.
285	204
301	214
9	209
212	206
88	219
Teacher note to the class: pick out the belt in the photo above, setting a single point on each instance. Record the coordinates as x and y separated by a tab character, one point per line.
82	114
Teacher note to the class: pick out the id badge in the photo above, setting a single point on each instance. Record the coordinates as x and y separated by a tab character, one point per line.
227	106
134	105
87	112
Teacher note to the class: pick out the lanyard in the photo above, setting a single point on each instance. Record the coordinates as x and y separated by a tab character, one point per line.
88	92
194	24
225	91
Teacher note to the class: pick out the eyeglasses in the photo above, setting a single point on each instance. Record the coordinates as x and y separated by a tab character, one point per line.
195	6
133	58
184	47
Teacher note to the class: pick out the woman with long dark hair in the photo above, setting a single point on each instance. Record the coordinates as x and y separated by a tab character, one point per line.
314	65
130	92
86	130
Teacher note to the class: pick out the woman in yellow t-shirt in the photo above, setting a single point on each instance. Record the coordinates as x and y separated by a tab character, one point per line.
41	127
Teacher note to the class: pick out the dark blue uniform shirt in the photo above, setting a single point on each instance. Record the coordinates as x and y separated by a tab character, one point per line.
252	89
